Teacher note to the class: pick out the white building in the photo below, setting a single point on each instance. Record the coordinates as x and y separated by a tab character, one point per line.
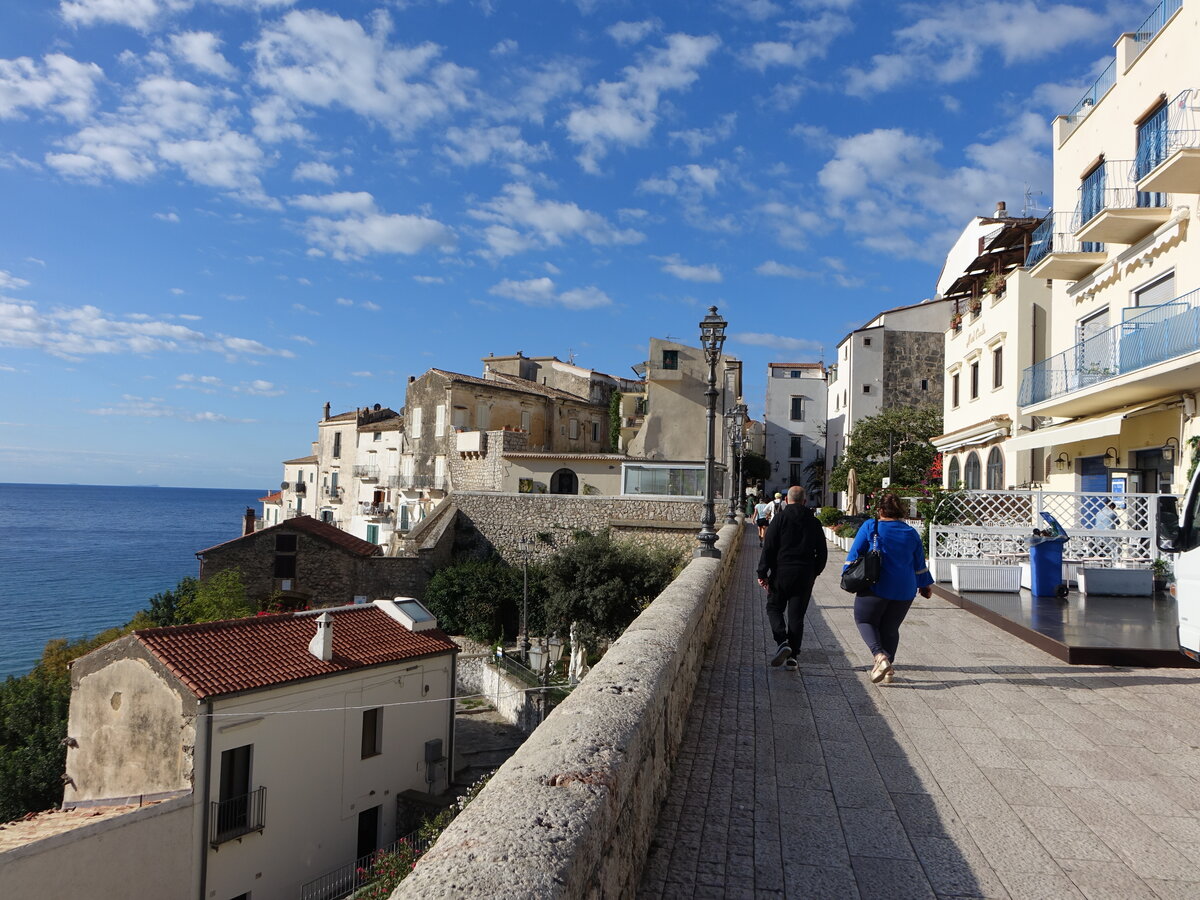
794	425
277	748
1114	398
996	328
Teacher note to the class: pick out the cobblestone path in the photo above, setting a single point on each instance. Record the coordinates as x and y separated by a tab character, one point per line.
987	769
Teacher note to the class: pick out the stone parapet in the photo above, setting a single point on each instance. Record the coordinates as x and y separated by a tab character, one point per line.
572	813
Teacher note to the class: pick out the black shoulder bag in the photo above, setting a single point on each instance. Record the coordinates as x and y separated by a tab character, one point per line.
863	574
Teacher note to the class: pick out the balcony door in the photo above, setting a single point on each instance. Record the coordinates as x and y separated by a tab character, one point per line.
1094	356
1091	202
1151	151
234	799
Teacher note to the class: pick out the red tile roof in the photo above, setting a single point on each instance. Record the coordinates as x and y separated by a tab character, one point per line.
237	655
276	497
319	530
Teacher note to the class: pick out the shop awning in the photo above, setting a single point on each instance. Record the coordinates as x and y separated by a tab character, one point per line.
1083	429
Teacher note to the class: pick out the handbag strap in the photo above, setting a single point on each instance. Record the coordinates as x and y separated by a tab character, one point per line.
875	535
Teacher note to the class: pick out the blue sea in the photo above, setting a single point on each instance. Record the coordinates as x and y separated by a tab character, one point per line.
77	559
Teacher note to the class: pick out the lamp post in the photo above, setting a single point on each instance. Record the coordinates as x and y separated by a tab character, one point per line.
736	420
524	550
543	658
712	337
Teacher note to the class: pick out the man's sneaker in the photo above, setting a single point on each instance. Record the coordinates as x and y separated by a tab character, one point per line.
781	655
792	663
882	666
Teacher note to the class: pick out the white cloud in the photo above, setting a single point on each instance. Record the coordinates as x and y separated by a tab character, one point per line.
504	48
696	139
10	282
315	59
201	49
792	224
171	217
301	339
520	221
776	342
58	84
343	301
780	270
143	14
624	113
755	10
315	171
481	143
155	408
363	228
543	292
688	178
674	265
177	291
370	306
429	279
77	332
336	204
801	43
626	33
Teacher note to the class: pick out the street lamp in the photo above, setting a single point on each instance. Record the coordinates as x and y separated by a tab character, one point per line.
543	658
524	551
712	337
736	422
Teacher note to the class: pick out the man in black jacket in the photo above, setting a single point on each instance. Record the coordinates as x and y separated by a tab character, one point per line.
793	555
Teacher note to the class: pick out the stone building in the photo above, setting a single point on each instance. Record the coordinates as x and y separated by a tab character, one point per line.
895	360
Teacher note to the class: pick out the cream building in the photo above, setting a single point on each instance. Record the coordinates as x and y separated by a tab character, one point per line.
996	328
794	424
1115	397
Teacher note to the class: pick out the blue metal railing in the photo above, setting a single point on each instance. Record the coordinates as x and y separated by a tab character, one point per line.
1156	20
1096	92
1056	234
1112	185
1153	335
1175	126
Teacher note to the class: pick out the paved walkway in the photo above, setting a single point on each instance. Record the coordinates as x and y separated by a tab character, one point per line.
987	769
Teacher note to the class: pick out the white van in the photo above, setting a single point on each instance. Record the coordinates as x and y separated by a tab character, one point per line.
1181	534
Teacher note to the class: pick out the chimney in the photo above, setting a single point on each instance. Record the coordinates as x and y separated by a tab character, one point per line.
326	411
1001	210
321	646
248	522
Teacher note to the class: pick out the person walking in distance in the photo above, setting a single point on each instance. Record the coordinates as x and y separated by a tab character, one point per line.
792	557
879	610
762	518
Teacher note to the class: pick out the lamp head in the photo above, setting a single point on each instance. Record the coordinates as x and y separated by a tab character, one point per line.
712	335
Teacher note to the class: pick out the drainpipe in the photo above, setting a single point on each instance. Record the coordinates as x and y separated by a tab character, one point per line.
451	704
205	777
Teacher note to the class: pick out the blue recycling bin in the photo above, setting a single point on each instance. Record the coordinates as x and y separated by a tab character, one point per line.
1045	560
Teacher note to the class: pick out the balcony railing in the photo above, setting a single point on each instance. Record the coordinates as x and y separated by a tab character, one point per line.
417	482
1156	20
1056	234
371	511
1148	336
237	816
1095	93
345	880
367	473
333	494
1111	208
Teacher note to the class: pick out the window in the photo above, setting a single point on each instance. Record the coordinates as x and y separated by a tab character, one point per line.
285	554
974	379
337	444
998	367
866	389
377	436
971	471
794	373
327	516
439	419
1151	151
866	342
797	414
525	420
1091	203
924	384
574	426
672	481
952	479
596	432
483	416
796	473
439	467
797	448
1158	291
670	359
416	423
372	732
373	534
995	470
234	815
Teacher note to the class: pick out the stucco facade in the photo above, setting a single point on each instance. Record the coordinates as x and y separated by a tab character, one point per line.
794	429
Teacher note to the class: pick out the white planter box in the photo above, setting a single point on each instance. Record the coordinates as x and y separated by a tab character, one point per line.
940	568
1120	582
966	577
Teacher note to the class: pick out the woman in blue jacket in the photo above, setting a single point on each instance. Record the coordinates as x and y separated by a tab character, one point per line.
879	611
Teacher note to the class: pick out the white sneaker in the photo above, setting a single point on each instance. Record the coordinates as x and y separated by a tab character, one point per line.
782	654
880	670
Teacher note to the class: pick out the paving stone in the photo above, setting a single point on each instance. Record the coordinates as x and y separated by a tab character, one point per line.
805	881
1028	886
891	878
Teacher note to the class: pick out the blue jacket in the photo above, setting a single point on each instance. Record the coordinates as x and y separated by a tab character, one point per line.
904	568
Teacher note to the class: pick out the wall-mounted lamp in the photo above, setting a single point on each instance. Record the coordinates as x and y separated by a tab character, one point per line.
1111	458
1062	462
1169	449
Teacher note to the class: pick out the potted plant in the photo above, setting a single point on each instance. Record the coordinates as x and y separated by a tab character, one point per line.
994	284
956	320
974	305
1163	573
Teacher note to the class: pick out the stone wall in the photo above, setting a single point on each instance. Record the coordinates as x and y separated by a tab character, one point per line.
910	357
485	472
476	674
496	522
573	812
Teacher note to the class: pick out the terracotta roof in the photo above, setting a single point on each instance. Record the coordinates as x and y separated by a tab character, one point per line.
276	497
237	655
299	460
395	423
341	417
512	383
311	526
815	365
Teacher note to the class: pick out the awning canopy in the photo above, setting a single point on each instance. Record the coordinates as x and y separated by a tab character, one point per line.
1083	429
973	435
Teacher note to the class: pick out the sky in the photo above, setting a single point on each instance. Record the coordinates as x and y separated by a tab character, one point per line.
220	214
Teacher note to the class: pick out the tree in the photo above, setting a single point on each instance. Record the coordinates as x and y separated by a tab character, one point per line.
614	421
909	430
223	596
478	598
603	584
755	468
814	479
167	607
33	725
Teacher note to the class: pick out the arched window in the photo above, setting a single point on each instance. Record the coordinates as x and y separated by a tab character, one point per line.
564	481
953	479
995	470
971	471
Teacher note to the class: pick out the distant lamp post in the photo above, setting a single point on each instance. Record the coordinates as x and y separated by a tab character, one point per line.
737	440
543	659
524	551
712	337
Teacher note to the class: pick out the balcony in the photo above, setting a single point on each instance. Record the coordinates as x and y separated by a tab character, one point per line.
1150	336
366	473
1112	209
1169	160
237	816
421	482
333	494
471	442
376	513
1055	252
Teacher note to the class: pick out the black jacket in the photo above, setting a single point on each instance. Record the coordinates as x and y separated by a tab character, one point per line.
794	541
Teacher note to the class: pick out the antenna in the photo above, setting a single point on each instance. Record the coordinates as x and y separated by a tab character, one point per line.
570	356
1029	204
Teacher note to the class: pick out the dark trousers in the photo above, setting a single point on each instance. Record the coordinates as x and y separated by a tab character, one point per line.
878	622
789	596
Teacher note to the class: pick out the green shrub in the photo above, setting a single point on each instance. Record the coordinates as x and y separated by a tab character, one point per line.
478	598
829	516
848	530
